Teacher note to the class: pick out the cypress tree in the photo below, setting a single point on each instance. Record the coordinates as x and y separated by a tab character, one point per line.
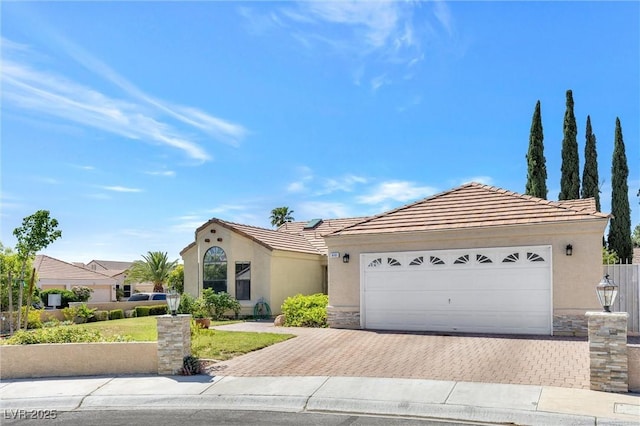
570	180
590	173
536	163
619	239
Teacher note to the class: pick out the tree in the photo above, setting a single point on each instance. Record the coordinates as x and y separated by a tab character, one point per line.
590	173
155	268
280	215
635	237
37	232
570	179
619	239
536	163
176	279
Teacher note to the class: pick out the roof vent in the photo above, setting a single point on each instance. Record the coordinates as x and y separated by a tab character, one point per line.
312	224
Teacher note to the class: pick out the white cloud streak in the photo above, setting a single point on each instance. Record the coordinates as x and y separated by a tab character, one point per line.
45	92
121	189
400	191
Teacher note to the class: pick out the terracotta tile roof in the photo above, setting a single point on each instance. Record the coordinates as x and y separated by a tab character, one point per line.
470	206
315	235
586	204
269	238
55	269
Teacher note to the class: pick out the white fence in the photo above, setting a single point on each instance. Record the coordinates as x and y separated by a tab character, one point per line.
628	300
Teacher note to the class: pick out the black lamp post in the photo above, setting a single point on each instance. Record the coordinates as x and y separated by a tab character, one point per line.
607	292
173	301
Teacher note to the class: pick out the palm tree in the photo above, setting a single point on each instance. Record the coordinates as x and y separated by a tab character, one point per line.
280	215
155	268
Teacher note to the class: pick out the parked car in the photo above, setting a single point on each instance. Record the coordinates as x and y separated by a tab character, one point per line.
147	296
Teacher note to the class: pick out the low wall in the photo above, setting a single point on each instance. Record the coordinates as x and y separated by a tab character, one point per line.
77	359
633	356
125	306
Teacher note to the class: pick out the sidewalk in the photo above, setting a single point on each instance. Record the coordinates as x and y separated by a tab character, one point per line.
464	401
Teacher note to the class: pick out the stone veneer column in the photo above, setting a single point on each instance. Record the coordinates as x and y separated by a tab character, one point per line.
174	342
608	351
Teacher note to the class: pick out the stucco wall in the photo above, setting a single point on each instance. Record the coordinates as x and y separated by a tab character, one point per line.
190	261
294	273
78	359
574	277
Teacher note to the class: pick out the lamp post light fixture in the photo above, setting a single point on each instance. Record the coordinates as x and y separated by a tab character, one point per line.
607	292
173	301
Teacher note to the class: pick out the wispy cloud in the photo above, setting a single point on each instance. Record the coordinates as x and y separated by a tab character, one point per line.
165	173
325	210
486	180
371	35
120	189
138	117
400	191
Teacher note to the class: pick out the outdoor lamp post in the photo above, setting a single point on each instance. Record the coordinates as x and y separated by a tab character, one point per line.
607	292
173	301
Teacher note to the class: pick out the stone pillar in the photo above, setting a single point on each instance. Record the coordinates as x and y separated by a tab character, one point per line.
608	351
174	342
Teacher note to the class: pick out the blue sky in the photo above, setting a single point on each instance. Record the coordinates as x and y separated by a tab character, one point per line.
135	122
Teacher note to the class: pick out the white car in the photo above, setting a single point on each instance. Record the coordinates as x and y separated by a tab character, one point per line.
147	296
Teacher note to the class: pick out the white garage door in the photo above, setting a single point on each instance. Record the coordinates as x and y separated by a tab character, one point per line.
491	290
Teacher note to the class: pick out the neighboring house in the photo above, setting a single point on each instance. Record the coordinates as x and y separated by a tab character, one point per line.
473	259
118	270
55	273
251	263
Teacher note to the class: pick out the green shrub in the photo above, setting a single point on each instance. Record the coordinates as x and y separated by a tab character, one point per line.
102	315
66	296
305	311
62	335
158	309
191	365
33	321
219	303
186	303
142	311
82	293
116	314
85	314
69	313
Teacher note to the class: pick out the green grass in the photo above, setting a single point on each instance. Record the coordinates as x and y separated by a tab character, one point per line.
223	345
207	344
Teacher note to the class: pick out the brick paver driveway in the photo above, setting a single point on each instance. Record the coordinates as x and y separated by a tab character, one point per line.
490	359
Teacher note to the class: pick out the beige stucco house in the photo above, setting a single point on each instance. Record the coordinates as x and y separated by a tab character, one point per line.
473	259
55	273
252	263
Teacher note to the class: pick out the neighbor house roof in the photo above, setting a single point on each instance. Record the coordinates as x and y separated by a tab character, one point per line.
113	265
50	268
474	205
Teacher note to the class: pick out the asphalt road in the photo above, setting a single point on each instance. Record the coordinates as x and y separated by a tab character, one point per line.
209	417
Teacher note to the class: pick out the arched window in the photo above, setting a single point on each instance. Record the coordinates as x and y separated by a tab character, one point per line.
215	270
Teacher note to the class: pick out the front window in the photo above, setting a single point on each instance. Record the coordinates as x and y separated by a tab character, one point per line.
215	270
243	280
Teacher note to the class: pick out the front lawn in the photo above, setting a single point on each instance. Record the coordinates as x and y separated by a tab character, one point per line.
208	344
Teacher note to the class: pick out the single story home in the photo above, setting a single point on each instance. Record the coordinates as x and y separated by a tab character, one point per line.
55	273
472	259
253	264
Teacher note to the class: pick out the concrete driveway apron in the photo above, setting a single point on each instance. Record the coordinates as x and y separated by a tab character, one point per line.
526	360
